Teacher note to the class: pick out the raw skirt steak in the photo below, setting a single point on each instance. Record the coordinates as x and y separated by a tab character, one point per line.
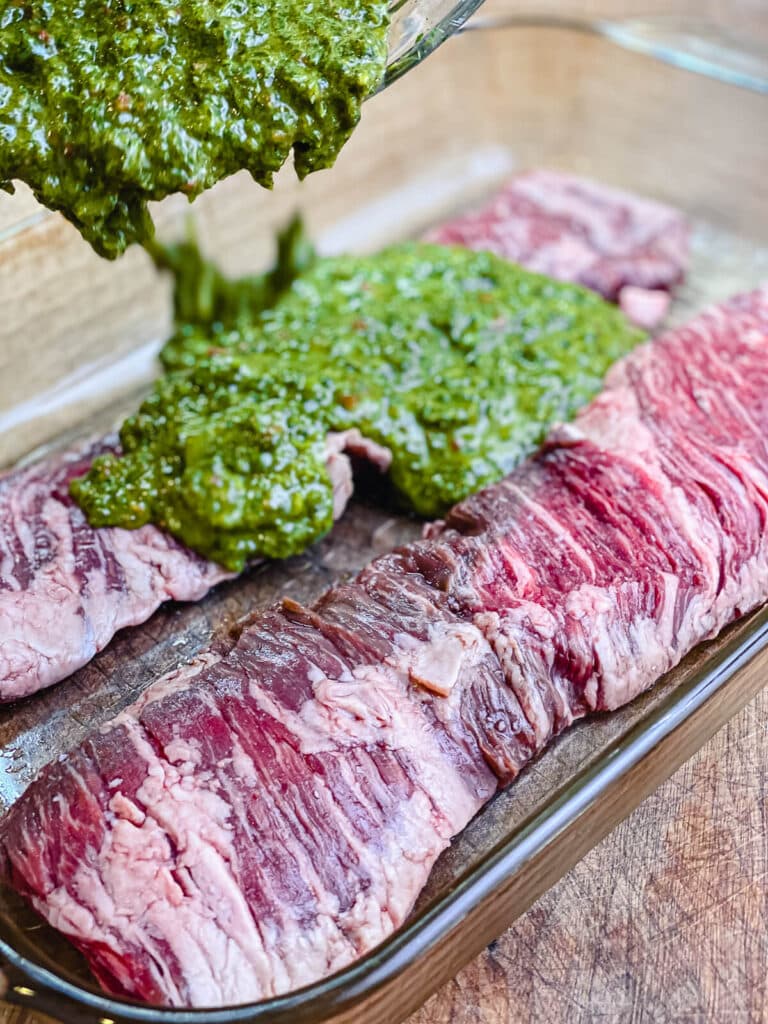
631	250
56	569
66	588
270	812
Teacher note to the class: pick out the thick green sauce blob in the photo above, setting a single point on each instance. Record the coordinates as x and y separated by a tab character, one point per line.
457	361
107	105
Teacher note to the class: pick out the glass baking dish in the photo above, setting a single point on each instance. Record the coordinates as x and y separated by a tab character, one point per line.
77	343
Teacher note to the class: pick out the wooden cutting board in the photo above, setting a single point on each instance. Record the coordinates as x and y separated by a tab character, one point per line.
664	920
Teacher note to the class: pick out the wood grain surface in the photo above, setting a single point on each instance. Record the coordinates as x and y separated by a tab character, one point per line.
663	921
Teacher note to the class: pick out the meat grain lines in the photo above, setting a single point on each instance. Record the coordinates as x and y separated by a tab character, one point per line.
295	789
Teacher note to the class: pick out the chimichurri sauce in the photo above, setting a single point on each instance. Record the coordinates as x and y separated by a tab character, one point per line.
204	299
456	360
107	105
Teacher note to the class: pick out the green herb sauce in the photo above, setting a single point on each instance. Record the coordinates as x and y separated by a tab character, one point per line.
204	299
107	105
457	361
